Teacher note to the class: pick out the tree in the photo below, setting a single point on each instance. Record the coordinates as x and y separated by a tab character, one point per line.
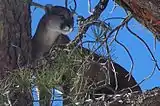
146	12
15	50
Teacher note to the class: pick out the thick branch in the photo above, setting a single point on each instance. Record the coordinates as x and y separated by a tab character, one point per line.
147	12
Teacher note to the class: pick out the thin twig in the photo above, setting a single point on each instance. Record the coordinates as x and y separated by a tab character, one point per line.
146	45
37	5
148	77
89	7
99	8
130	56
72	9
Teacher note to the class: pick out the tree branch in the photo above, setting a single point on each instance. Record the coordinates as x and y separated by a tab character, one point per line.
147	12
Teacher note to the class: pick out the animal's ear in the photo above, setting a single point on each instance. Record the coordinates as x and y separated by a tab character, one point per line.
58	10
48	8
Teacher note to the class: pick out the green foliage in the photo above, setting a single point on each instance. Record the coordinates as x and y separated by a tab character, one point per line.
65	69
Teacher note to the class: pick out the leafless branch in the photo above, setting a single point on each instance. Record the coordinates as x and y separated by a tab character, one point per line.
127	19
146	45
114	18
89	7
132	62
148	77
99	8
37	5
72	9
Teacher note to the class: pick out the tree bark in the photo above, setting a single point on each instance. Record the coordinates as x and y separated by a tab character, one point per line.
15	31
147	12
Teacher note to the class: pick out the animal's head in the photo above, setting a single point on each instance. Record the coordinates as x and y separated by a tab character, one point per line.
58	19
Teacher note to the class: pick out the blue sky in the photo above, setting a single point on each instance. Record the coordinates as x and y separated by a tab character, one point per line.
142	59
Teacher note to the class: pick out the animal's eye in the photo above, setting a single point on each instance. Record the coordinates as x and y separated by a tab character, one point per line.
65	27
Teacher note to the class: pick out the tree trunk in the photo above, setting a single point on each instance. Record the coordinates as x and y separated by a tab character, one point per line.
147	12
15	31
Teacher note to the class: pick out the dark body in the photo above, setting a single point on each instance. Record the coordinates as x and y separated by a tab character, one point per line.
53	29
95	74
